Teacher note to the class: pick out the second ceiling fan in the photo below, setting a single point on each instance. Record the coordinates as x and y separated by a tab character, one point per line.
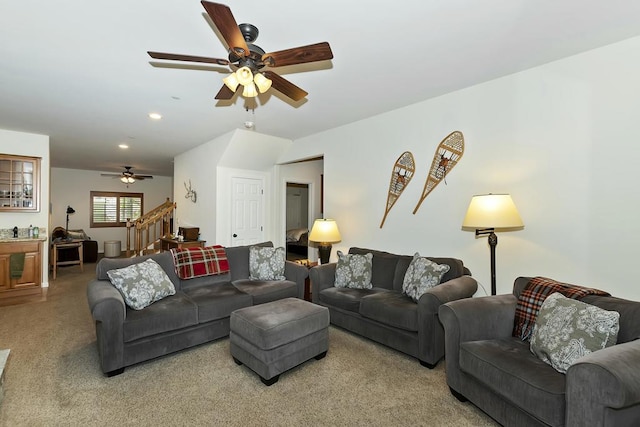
249	59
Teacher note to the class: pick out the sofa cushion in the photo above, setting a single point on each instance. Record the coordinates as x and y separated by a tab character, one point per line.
509	369
533	295
353	271
238	257
169	314
267	290
383	266
421	275
164	260
346	298
197	262
217	301
567	329
391	308
142	284
266	263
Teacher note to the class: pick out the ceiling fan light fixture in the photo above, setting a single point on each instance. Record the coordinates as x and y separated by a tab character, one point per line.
231	81
250	91
127	180
262	82
244	76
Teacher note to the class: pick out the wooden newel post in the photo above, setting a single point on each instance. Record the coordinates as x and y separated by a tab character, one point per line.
128	237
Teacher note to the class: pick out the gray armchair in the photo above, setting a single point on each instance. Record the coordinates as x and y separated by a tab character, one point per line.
498	373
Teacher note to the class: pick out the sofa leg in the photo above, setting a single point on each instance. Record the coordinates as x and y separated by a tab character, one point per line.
321	355
115	372
237	361
457	395
427	364
270	381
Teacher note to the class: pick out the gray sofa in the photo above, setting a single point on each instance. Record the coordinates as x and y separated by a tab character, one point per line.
383	314
499	374
199	311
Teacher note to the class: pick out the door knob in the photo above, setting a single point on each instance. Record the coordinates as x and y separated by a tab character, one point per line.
235	235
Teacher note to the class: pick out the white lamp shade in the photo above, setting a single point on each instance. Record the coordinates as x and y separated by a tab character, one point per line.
250	91
325	231
244	76
127	180
231	81
262	82
492	211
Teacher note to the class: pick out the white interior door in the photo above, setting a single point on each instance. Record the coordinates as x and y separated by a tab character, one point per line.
247	213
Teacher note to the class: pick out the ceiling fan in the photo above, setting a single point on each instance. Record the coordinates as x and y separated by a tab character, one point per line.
127	176
248	60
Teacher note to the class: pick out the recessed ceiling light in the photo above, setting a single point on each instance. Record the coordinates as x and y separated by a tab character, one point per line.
155	116
123	146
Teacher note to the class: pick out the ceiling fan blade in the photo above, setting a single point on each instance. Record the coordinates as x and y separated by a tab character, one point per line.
228	27
298	55
285	87
142	177
225	93
190	58
111	174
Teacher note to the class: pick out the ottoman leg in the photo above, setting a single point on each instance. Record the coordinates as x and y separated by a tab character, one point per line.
270	381
321	355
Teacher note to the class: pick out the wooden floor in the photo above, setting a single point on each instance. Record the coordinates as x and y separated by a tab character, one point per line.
42	296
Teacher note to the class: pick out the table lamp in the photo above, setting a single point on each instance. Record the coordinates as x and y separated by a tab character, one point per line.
324	232
489	212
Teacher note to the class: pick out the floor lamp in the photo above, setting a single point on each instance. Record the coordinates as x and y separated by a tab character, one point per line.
325	232
489	212
70	210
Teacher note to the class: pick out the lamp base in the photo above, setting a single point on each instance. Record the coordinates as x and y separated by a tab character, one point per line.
325	253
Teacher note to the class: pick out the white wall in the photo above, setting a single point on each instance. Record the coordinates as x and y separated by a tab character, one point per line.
72	187
562	139
28	144
211	167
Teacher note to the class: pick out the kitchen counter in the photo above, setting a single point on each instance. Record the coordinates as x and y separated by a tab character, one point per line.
22	239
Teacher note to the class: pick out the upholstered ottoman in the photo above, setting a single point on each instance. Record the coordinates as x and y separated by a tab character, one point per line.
276	336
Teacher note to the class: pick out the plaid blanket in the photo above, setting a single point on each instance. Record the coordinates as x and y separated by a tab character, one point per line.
198	262
534	294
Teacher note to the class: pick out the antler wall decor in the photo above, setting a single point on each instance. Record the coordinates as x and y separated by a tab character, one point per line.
191	194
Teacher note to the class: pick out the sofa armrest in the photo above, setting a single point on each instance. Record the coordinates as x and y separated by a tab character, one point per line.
452	290
430	330
108	311
322	277
473	319
607	378
296	273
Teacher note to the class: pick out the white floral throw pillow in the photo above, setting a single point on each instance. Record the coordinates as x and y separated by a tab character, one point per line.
266	263
142	284
567	329
353	271
421	275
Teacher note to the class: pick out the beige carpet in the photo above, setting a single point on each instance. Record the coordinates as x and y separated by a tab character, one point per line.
53	378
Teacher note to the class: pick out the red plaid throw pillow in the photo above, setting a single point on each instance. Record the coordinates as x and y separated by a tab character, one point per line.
534	294
198	262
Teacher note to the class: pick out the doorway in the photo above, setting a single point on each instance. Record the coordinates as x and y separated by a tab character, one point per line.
297	221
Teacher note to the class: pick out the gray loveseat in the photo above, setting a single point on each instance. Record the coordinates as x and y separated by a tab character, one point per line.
383	313
498	373
199	311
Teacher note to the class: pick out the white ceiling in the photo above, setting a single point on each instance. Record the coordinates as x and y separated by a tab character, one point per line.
78	71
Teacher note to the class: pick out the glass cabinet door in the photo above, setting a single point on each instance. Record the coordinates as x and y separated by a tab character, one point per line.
19	183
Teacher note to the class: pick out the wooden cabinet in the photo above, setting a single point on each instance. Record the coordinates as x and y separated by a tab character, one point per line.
19	183
30	281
